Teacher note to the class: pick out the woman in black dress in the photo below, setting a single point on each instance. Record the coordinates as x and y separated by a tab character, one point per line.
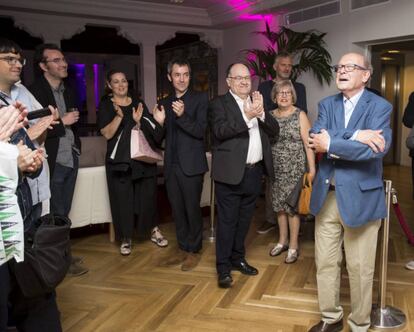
132	184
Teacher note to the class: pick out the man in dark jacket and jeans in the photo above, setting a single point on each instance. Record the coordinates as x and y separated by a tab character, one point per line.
62	143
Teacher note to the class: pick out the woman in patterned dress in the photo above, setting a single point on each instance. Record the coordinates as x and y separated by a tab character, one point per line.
291	159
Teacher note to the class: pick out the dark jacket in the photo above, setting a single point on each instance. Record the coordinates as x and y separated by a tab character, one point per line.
408	117
231	140
265	88
42	91
184	141
122	161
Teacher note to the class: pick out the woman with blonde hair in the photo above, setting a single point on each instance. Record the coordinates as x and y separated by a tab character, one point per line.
291	159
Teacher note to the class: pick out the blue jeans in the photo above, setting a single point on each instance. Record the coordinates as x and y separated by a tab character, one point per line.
62	187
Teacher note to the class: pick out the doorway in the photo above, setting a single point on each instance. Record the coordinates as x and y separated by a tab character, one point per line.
393	77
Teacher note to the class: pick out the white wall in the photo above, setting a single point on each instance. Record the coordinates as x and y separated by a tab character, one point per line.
235	40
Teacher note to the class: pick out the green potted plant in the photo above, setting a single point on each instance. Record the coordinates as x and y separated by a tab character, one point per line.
307	47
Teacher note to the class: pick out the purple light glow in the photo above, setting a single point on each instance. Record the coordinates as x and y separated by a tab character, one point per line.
80	67
256	17
251	57
96	83
79	82
243	6
239	5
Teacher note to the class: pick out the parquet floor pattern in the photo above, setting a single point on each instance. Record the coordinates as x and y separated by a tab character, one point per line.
137	293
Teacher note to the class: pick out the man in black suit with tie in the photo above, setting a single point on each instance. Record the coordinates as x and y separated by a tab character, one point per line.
241	154
283	67
185	161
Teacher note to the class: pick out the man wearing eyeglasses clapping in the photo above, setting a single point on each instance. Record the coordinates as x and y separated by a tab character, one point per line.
241	155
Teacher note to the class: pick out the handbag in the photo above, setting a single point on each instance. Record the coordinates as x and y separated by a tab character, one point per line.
409	142
305	195
293	198
47	256
140	148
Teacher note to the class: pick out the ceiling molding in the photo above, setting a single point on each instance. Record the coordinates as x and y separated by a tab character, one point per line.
136	11
213	15
53	28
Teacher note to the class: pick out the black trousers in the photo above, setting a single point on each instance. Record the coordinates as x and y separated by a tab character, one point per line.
235	209
184	194
37	314
129	198
4	296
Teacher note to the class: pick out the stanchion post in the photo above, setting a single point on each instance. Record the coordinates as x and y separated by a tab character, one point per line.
383	316
212	236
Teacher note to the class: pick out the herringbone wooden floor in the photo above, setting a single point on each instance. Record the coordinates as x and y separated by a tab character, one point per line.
137	293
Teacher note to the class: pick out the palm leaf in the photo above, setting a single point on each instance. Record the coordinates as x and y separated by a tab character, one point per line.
308	48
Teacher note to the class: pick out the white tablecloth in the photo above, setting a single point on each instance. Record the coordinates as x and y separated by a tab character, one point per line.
90	203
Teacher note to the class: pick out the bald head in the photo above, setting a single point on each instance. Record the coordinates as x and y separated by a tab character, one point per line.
239	80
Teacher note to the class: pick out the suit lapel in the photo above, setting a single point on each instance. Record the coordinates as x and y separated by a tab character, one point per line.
231	104
339	113
48	88
358	110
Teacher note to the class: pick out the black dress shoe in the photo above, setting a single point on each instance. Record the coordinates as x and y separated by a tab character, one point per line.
325	327
224	280
245	268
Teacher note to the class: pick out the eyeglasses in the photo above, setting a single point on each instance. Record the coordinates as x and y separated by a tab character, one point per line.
12	61
284	93
240	78
349	67
57	60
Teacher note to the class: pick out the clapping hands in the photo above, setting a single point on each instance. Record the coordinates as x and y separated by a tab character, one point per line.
29	160
12	118
254	108
137	113
159	114
178	107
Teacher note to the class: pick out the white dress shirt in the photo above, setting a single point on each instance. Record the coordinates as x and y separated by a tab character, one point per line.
349	107
255	152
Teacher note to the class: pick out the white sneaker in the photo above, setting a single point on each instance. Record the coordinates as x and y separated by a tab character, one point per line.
125	248
158	238
410	265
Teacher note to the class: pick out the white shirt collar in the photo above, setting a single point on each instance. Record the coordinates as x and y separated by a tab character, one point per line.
354	99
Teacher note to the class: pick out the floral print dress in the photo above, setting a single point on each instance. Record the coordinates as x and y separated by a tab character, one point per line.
289	160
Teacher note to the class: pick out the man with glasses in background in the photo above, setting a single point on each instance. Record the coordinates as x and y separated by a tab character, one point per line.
62	142
283	65
353	134
241	154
